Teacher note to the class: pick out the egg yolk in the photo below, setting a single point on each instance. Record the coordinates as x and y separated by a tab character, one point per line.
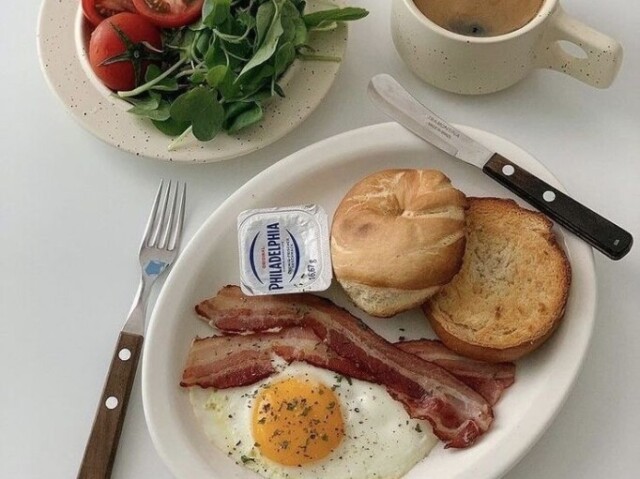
297	422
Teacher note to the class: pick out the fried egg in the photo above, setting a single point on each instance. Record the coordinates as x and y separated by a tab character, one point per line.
307	422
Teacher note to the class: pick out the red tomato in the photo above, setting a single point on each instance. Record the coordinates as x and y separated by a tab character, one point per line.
106	44
170	13
97	10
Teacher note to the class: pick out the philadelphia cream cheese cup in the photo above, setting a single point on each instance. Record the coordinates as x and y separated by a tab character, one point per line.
284	250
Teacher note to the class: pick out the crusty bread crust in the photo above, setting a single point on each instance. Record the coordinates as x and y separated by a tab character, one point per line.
512	289
396	238
385	302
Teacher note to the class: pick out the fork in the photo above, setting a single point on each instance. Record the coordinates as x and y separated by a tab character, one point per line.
159	248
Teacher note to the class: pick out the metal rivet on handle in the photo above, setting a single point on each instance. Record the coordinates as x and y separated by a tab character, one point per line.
549	196
508	170
124	354
111	402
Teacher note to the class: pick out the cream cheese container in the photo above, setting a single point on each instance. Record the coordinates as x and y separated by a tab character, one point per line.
284	250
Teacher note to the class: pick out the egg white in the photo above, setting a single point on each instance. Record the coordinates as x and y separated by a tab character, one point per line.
381	441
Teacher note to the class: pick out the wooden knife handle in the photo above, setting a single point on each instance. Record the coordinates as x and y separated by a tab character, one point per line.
102	445
599	232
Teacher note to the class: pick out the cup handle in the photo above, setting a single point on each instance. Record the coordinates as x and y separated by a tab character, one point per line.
603	53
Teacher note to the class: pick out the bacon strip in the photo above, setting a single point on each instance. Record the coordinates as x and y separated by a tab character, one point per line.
487	379
230	361
457	414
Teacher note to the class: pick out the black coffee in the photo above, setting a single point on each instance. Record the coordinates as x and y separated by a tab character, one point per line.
480	18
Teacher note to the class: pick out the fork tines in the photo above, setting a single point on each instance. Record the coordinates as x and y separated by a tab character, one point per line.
164	226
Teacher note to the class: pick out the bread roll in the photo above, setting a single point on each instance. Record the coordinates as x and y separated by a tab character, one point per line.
511	291
396	238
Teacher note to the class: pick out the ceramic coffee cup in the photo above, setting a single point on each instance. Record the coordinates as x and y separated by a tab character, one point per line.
474	65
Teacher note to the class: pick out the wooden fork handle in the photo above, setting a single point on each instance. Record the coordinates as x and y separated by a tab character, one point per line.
102	445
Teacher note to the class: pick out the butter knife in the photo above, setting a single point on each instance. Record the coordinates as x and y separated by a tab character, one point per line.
391	97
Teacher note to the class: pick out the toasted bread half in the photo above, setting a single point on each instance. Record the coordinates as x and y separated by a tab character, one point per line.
510	294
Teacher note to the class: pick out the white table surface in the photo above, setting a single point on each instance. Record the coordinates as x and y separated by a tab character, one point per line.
72	210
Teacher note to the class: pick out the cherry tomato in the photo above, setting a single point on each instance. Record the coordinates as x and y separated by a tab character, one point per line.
97	10
170	13
116	52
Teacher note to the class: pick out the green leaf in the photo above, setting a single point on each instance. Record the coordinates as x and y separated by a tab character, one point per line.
171	127
153	72
269	44
325	26
202	42
301	32
228	86
284	58
239	50
201	108
216	75
166	84
233	109
186	42
207	8
294	27
215	55
144	102
264	17
159	113
278	89
287	20
215	12
255	79
259	96
197	78
247	118
245	19
197	25
299	4
316	19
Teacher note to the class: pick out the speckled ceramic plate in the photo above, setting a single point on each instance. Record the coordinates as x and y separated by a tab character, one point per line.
62	40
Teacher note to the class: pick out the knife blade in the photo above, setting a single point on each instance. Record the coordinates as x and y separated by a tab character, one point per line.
391	97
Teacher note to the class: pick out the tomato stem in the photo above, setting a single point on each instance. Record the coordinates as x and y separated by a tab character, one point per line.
135	53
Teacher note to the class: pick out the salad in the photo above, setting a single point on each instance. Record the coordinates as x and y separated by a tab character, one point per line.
202	66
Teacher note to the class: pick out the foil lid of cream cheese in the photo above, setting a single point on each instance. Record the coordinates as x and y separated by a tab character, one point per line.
284	250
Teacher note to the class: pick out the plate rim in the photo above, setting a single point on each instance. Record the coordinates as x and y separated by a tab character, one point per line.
500	464
188	155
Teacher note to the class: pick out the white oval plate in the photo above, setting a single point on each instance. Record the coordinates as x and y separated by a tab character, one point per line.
322	173
62	34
